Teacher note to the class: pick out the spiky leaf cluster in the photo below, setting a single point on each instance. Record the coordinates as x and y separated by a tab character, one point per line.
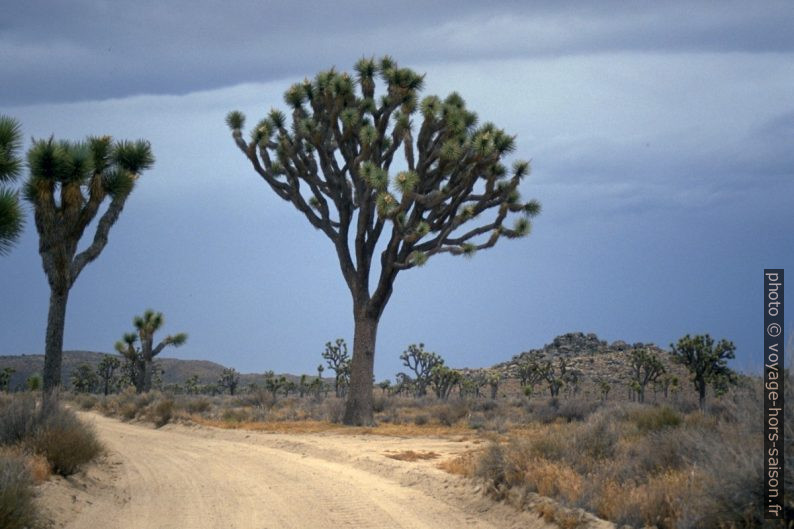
348	135
11	215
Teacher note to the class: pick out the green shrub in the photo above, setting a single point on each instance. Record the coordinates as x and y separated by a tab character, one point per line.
17	510
420	420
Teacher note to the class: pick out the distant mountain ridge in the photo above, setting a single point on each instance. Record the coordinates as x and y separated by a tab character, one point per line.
175	371
595	359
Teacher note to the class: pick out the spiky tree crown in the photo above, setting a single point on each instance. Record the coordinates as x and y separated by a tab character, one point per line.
67	185
336	158
11	216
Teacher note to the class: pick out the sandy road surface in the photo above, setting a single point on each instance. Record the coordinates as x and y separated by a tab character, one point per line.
181	477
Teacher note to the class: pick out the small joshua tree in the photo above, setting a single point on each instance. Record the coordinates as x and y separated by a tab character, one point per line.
5	378
707	362
443	379
68	183
421	362
493	378
335	163
105	370
142	359
84	379
192	385
11	215
646	367
229	379
338	359
530	371
273	383
554	378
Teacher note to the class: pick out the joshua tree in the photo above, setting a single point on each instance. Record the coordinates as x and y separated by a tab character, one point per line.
107	366
443	379
554	379
708	363
229	379
142	359
645	367
385	386
11	216
492	378
336	163
337	357
530	371
273	383
192	385
67	185
5	378
84	379
421	362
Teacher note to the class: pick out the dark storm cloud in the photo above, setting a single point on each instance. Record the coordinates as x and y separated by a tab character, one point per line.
59	51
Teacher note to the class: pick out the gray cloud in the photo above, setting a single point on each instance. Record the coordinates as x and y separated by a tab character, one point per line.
85	50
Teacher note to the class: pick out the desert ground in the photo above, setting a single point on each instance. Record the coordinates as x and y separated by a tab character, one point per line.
201	477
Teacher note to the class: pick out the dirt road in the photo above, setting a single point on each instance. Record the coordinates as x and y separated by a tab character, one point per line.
181	477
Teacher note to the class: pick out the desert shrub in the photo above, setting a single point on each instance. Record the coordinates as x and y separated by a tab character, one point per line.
494	468
450	413
380	403
64	440
198	405
17	419
163	411
596	439
128	411
86	402
17	510
485	405
235	415
548	411
577	410
421	420
653	418
477	421
334	410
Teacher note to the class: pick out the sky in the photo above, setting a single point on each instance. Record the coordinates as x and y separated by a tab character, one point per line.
660	133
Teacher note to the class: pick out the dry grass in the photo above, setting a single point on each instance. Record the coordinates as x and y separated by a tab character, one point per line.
462	465
410	455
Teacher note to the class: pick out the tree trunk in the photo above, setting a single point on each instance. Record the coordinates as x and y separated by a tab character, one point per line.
702	396
358	407
148	369
53	352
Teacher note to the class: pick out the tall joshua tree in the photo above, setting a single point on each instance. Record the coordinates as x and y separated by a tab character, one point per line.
143	358
68	183
11	217
337	163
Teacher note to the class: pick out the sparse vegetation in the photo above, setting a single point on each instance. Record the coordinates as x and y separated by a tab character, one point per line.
17	510
35	438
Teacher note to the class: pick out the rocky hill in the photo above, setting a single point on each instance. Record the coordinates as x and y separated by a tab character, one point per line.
596	360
